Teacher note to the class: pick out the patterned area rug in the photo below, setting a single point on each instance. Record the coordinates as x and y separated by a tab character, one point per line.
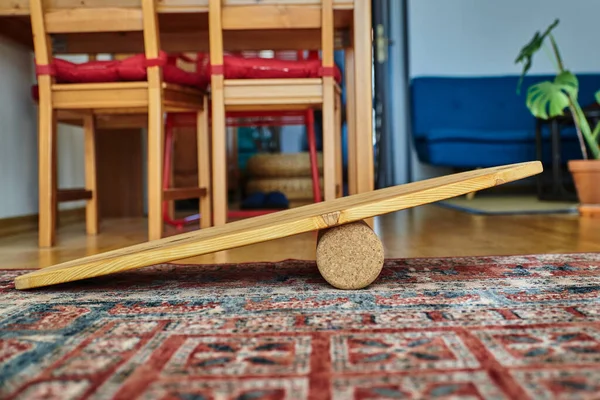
524	327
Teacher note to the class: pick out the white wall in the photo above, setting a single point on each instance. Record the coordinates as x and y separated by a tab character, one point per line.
18	138
483	37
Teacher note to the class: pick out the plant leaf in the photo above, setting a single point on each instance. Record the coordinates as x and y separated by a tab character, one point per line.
598	97
569	83
549	99
528	51
596	132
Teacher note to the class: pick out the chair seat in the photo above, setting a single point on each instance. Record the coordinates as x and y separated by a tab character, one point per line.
236	67
133	68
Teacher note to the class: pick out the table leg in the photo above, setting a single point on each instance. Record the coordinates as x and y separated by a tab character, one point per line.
557	180
364	97
539	155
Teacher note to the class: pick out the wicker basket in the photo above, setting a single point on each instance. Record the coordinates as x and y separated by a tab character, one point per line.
282	165
293	188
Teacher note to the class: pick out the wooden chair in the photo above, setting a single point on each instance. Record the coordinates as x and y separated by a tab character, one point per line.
144	84
252	118
312	85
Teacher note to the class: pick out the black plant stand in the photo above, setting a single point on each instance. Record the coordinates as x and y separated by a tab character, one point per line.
561	183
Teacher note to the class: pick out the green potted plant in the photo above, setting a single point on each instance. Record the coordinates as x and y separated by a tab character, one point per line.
549	99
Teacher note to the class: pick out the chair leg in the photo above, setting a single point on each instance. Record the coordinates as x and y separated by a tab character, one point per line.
155	165
47	172
339	162
329	157
312	150
350	119
171	170
91	208
219	152
168	206
203	149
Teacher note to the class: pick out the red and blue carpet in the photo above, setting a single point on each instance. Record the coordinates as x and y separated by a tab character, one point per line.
525	327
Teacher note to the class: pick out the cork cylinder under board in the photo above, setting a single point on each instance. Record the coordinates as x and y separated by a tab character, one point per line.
350	256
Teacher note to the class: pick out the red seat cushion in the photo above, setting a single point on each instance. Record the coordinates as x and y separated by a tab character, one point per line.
130	69
87	72
272	68
134	69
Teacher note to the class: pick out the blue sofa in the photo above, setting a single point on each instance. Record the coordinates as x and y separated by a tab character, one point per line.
470	122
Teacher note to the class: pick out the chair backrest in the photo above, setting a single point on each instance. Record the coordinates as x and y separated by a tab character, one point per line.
268	16
46	21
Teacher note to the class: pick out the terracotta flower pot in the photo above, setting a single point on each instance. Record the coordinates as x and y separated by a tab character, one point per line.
586	175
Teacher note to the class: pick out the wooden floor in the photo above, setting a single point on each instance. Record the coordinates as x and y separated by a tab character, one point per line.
427	231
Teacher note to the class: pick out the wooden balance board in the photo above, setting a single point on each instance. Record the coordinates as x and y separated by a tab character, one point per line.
290	222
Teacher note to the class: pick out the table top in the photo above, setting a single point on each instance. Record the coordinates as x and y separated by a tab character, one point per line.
183	26
21	7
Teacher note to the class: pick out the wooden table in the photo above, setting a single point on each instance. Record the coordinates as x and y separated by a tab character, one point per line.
184	28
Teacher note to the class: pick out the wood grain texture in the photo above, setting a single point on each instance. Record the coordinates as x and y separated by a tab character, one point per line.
215	30
278	225
89	100
93	20
258	93
363	101
25	224
219	132
191	41
350	119
47	201
21	7
339	162
156	134
271	17
327	33
329	140
218	153
91	175
120	171
65	195
267	94
203	150
329	127
431	230
184	193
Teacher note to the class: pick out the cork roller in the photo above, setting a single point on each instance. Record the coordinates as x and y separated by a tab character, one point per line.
349	256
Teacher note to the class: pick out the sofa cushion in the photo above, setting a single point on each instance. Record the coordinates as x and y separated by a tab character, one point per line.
482	154
482	121
481	103
477	135
488	135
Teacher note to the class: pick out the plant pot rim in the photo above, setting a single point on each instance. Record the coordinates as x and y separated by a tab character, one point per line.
584	165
